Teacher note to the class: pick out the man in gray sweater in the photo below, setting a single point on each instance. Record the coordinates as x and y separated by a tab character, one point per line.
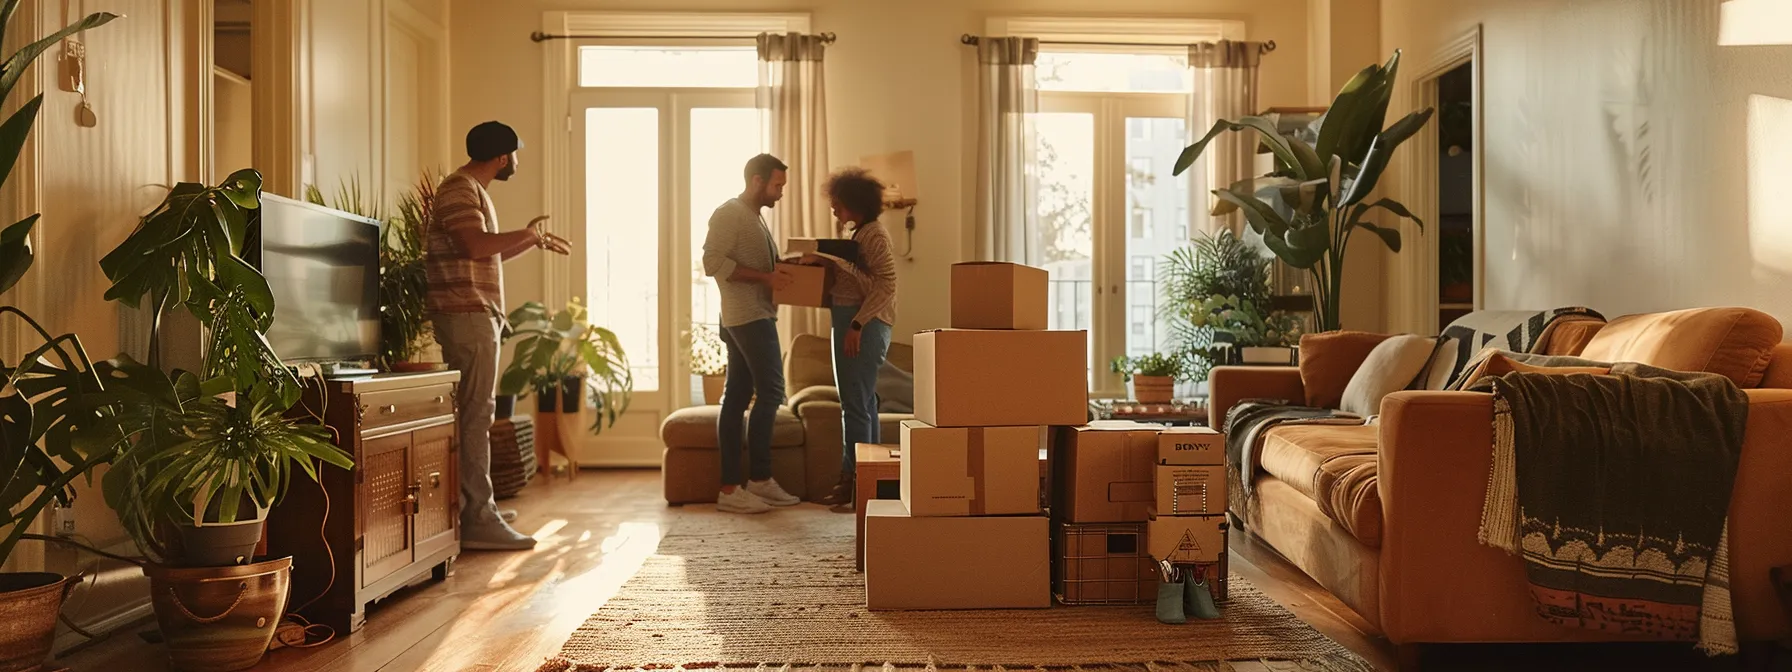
740	253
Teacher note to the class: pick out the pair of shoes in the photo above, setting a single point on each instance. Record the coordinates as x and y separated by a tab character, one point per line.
1169	603
841	495
755	497
507	515
494	536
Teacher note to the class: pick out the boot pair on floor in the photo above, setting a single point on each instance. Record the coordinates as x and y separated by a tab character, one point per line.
1178	601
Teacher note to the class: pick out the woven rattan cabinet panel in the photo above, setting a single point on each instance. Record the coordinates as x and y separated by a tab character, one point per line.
391	522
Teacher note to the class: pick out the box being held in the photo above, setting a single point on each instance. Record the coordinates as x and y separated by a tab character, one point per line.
999	295
1192	446
809	286
988	562
1190	491
1106	474
970	471
987	378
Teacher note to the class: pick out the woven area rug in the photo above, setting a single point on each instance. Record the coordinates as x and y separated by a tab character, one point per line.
779	591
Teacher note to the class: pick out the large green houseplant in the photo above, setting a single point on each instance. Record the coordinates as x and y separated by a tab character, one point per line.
39	401
1317	197
560	353
1216	298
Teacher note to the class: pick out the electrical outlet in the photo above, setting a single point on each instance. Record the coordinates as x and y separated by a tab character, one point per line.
62	520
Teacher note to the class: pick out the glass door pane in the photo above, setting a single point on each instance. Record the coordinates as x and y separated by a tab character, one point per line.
622	224
1065	155
722	139
1157	224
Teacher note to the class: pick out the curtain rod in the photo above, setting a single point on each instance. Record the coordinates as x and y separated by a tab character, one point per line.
969	39
538	36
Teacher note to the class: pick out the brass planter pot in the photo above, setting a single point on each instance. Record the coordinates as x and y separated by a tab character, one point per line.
29	603
219	618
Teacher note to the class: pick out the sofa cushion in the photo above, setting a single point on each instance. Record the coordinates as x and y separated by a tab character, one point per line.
1497	364
1568	338
1736	343
1336	466
1394	365
695	427
1328	360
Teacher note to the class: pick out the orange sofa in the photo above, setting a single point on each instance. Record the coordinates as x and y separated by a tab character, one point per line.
1385	516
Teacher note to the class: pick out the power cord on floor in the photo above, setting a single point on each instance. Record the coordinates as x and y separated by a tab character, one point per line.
294	630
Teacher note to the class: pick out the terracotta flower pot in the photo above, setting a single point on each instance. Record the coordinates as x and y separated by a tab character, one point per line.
29	603
219	618
1153	389
712	389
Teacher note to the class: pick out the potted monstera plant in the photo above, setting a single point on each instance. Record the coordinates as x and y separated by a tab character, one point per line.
39	464
558	354
1308	208
202	456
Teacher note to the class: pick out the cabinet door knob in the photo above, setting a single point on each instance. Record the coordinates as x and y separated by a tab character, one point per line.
440	399
435	479
389	408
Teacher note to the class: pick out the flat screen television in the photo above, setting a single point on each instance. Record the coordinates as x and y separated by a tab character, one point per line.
324	268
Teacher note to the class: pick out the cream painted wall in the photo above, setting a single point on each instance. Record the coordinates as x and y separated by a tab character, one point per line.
1344	38
897	79
1632	164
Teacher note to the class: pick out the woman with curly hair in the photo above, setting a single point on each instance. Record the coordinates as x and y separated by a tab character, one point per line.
864	309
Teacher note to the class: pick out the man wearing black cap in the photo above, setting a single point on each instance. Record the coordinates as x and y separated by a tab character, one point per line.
464	252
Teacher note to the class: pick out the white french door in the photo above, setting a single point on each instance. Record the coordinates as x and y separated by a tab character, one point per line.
1111	210
648	166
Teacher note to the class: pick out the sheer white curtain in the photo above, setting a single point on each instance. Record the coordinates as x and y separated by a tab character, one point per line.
792	100
1225	88
1007	96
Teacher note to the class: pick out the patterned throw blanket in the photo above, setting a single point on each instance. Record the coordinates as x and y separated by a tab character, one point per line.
1621	522
1511	330
1246	425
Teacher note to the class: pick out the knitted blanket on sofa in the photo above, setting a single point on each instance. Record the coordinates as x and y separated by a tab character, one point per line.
1621	520
1246	426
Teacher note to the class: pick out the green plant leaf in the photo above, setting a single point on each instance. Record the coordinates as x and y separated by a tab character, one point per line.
1309	166
1388	236
16	253
1381	152
1342	132
14	132
1262	218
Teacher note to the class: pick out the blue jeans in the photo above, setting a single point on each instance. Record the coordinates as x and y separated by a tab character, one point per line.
856	378
755	367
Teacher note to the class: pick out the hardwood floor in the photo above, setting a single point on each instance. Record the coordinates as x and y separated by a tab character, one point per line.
510	611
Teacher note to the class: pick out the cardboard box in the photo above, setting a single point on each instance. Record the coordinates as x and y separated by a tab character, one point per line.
989	562
1186	539
999	295
810	287
844	248
970	471
1190	491
1106	475
1192	446
978	378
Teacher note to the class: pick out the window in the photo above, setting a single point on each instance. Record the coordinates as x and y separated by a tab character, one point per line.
1109	130
668	68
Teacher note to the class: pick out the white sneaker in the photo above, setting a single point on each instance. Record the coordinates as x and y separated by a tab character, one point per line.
741	501
772	493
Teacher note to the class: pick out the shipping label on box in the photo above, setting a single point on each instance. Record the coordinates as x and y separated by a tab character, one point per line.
986	378
984	562
1190	491
1186	539
970	471
1106	475
1194	446
809	286
999	295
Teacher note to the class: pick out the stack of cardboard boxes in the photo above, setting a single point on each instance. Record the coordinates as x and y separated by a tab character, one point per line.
968	532
1186	526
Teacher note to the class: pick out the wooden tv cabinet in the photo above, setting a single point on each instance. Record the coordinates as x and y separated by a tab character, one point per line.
391	522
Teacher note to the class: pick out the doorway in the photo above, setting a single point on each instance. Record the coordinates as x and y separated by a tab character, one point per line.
1443	278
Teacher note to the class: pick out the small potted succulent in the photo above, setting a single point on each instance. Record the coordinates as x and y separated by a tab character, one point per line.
1153	376
709	359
